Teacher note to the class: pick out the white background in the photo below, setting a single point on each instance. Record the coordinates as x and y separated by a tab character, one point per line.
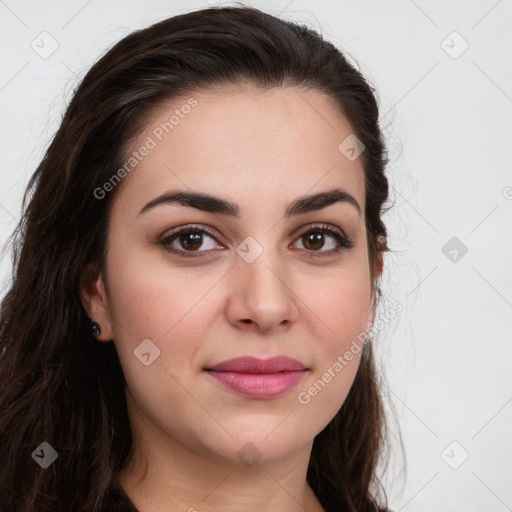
448	125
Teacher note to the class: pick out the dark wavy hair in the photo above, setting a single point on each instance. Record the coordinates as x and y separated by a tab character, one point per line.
61	386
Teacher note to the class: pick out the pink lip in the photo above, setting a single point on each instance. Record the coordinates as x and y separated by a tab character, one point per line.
259	378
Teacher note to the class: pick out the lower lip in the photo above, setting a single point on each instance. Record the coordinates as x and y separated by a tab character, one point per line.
259	385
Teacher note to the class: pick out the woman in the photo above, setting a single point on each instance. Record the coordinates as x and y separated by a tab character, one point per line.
195	276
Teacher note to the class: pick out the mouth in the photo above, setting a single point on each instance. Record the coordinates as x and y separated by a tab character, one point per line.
258	378
251	364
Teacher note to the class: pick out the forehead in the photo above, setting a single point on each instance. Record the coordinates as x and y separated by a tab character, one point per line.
245	144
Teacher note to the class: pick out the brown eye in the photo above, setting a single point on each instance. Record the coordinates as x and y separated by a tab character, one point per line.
189	241
313	240
324	237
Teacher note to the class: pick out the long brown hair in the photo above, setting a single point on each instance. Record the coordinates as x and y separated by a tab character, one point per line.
58	384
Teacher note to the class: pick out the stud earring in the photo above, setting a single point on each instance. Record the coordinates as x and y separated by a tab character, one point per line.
95	328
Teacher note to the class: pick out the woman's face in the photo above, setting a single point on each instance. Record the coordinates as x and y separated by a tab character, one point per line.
262	281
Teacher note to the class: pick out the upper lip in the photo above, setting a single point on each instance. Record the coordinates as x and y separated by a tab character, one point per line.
254	365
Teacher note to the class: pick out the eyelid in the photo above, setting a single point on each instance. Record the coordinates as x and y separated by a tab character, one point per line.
311	226
192	227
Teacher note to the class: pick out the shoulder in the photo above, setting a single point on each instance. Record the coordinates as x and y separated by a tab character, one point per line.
114	500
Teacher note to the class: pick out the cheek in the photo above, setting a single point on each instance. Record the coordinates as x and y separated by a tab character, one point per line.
148	299
342	308
337	359
347	306
341	302
171	306
168	307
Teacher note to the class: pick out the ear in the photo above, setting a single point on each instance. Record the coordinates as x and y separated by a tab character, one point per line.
94	299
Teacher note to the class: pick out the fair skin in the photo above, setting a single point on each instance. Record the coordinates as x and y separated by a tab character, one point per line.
261	150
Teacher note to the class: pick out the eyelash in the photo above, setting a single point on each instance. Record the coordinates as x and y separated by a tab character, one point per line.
343	241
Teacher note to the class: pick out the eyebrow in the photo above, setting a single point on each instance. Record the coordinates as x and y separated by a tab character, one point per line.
213	204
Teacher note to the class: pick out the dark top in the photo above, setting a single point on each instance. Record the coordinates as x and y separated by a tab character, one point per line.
116	500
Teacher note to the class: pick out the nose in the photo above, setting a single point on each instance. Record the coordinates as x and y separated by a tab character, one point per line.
261	296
